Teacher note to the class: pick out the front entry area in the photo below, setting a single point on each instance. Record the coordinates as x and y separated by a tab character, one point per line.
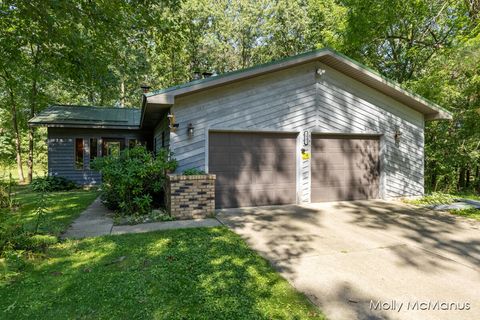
345	167
253	168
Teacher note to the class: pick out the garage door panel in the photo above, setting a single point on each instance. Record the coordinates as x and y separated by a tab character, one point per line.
263	177
323	162
344	168
219	160
220	140
344	194
362	176
231	179
329	194
286	176
260	168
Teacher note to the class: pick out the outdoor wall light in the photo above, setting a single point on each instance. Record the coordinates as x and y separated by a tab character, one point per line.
172	125
397	135
190	130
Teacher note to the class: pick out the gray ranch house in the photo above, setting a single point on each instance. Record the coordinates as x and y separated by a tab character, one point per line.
310	128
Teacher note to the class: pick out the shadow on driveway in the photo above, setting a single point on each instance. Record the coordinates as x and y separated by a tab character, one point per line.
345	255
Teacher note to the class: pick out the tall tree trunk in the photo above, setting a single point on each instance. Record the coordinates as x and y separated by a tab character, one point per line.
122	94
467	177
477	178
433	175
18	142
461	178
31	133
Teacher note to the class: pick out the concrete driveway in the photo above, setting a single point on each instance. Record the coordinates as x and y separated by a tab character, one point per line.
349	256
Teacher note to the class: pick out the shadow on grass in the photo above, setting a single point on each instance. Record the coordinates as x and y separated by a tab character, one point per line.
61	209
182	274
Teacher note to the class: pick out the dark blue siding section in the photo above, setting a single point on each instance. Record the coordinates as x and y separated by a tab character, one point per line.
61	151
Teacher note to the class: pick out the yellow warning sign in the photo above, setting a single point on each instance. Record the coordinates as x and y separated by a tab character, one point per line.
305	155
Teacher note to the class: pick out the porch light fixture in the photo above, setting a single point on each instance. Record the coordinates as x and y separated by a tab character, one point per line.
190	130
397	135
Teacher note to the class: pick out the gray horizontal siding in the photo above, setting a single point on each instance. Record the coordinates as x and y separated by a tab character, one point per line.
61	151
284	101
347	105
162	126
298	100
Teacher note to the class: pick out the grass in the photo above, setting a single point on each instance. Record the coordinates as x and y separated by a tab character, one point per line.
446	198
38	171
205	273
62	209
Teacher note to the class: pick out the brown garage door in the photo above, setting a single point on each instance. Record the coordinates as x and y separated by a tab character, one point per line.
253	169
344	168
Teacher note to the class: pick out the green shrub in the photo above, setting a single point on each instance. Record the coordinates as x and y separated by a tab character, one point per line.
433	198
5	198
134	180
34	242
52	183
6	194
193	172
8	235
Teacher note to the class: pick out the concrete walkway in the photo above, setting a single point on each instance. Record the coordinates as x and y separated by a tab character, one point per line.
93	222
346	255
96	221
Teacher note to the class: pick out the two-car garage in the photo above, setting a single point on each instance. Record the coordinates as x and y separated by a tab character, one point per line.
260	168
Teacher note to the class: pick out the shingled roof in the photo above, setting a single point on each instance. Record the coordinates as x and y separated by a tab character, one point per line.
71	116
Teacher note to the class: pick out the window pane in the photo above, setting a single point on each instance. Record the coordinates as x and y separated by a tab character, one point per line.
78	153
93	149
113	148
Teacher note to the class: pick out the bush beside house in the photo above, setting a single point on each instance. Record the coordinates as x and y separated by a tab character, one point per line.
134	182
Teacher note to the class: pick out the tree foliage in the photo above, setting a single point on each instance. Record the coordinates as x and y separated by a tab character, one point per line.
99	52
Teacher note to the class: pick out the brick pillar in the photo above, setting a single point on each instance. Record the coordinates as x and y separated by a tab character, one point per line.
190	197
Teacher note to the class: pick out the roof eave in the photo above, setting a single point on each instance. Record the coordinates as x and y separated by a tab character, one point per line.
440	115
431	111
80	125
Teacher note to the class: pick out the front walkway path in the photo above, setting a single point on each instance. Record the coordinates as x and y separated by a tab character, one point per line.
93	222
96	221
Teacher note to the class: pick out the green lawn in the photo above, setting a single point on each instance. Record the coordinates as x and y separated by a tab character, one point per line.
62	209
206	273
445	198
39	170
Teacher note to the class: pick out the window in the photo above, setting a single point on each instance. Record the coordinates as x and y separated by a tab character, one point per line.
93	149
113	148
79	153
163	139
